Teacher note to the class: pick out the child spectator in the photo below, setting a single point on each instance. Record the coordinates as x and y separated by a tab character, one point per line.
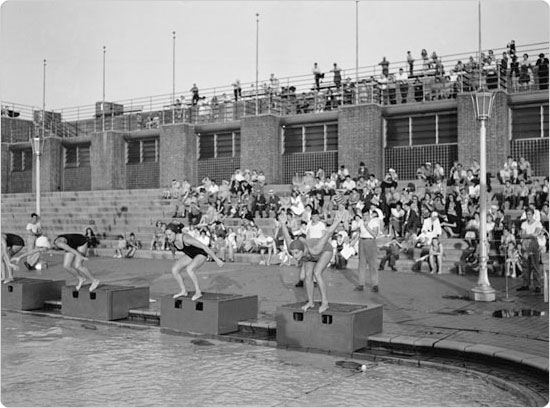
392	249
132	245
159	239
266	246
513	260
93	242
436	256
121	247
220	244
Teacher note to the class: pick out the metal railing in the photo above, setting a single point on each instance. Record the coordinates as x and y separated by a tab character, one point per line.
288	96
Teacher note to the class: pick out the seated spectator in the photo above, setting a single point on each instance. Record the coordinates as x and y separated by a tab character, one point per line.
259	204
431	228
524	170
396	220
452	219
425	173
509	195
92	240
220	245
132	245
175	189
509	171
348	184
392	250
159	238
372	182
471	229
121	247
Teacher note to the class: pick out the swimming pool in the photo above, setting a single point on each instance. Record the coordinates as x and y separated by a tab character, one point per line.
61	362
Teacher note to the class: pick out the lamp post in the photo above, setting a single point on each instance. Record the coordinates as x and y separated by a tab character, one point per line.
37	141
257	42
483	104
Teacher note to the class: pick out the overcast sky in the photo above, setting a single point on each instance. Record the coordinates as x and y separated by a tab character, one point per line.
216	41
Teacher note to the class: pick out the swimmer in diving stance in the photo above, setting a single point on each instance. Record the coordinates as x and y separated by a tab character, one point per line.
194	256
315	254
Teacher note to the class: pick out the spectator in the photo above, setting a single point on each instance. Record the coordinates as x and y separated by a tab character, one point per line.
530	231
385	64
410	61
317	75
425	173
509	171
524	169
425	60
195	92
121	247
337	76
453	217
436	256
159	239
259	204
266	247
34	230
525	70
542	71
383	88
397	217
418	87
472	231
93	242
513	260
392	250
132	245
431	228
274	83
403	83
392	90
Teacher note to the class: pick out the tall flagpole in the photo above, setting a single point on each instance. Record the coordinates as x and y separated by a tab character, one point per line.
103	103
357	49
173	68
257	51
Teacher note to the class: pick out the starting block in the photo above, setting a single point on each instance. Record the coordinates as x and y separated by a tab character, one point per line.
213	313
342	328
30	294
107	302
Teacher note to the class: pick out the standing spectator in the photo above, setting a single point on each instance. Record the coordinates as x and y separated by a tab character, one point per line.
363	171
530	230
317	75
34	230
410	61
337	76
403	83
425	60
542	71
385	64
524	72
274	83
195	92
237	90
436	256
369	231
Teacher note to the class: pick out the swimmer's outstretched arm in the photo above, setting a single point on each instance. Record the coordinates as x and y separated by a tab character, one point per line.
30	252
286	235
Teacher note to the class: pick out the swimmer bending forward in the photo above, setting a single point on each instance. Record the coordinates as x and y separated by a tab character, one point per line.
194	256
315	253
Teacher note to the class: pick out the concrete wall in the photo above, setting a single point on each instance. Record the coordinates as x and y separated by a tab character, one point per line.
177	154
107	155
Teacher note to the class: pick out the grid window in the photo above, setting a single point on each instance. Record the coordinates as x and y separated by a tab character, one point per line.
17	160
84	155
397	133
237	144
545	121
423	130
447	125
27	159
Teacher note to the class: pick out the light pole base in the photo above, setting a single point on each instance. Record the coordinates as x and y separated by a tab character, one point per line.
483	294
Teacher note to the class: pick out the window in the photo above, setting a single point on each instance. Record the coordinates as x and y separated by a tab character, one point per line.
220	145
421	130
139	151
530	122
71	156
77	156
311	138
21	160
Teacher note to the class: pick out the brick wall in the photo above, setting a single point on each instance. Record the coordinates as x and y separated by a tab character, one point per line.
77	179
177	154
107	155
497	129
261	146
21	182
142	175
16	130
5	163
51	162
360	138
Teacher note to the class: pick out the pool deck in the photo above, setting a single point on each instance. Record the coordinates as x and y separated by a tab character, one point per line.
421	310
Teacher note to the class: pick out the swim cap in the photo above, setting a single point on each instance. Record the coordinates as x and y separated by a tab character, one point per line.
43	242
297	244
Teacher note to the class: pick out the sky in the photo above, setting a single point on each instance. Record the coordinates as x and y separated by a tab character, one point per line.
216	41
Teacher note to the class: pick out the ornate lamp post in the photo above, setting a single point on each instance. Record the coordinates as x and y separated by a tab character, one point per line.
483	104
37	142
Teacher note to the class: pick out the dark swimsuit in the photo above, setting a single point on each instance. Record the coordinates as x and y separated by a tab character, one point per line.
190	250
74	241
315	258
14	240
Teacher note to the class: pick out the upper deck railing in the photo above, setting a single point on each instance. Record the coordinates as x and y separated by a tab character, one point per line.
430	79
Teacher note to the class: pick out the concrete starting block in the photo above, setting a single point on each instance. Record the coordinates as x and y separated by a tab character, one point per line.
342	328
107	302
213	313
30	294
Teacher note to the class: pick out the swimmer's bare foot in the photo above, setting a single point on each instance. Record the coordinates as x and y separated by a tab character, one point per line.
323	307
80	283
308	305
182	293
94	285
196	296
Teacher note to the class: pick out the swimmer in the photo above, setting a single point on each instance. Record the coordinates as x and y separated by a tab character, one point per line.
315	254
194	256
75	247
11	245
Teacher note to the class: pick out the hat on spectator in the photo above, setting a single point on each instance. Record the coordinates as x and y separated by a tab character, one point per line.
391	170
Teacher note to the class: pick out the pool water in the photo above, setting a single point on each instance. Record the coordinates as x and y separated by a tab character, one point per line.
60	362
